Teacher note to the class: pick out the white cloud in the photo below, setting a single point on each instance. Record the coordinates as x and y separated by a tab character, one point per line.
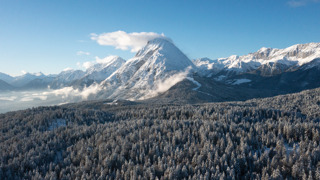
163	86
26	99
33	97
299	3
63	92
88	64
75	94
125	41
91	90
81	53
68	69
11	98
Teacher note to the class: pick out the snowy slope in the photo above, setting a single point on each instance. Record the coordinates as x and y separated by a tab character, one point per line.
104	68
208	66
7	78
65	77
153	65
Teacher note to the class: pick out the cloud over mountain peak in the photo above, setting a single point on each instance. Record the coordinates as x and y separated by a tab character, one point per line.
125	41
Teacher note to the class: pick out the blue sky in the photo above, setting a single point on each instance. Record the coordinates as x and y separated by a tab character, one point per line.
49	36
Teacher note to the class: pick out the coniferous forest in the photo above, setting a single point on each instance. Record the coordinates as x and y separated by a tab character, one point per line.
271	138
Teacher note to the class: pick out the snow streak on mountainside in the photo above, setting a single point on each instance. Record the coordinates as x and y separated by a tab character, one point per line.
276	60
154	67
104	68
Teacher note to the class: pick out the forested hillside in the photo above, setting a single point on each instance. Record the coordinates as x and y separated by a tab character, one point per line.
271	138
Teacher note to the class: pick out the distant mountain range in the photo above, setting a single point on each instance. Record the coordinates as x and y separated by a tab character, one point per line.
161	72
96	73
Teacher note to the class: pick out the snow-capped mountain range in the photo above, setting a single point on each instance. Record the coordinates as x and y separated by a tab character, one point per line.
160	66
294	56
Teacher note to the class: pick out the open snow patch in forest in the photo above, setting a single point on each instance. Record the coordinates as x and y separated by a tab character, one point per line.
195	82
288	148
57	123
241	81
115	102
220	78
198	86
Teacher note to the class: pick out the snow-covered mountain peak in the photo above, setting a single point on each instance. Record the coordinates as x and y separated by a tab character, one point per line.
69	75
153	45
39	74
68	71
27	74
160	41
299	53
303	47
162	52
233	57
264	50
104	68
110	61
159	60
22	80
206	66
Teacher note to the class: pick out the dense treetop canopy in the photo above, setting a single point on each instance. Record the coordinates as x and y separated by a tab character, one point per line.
271	138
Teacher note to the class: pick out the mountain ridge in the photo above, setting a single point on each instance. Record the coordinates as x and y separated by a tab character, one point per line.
296	55
161	68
